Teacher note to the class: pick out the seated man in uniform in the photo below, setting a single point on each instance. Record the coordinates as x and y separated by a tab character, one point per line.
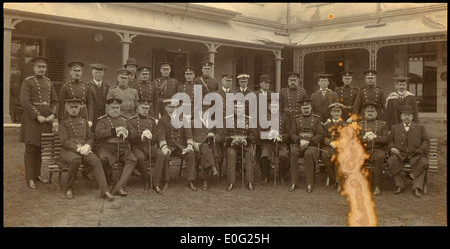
238	138
76	142
112	131
331	131
306	133
176	142
142	134
374	134
409	142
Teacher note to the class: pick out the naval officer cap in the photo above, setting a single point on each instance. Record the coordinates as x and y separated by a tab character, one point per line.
243	76
41	59
370	73
336	106
171	102
227	75
401	78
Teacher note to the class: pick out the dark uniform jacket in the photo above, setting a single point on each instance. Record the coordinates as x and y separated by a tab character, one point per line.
373	94
209	84
222	93
147	90
187	88
37	97
284	127
379	128
99	94
105	130
289	101
175	138
414	142
306	128
199	134
331	131
138	124
74	132
228	134
166	87
346	96
77	90
320	103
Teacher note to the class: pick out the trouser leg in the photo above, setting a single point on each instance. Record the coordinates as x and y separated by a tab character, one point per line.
231	165
130	164
326	157
309	166
249	169
140	163
377	167
265	167
294	166
189	158
419	166
32	161
107	169
72	171
159	166
93	161
393	162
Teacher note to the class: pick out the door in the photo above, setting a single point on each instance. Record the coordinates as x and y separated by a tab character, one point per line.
335	67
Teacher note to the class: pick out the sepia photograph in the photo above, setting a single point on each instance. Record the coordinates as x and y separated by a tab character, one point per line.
194	115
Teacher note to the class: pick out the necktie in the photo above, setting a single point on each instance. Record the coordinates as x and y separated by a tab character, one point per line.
324	92
407	127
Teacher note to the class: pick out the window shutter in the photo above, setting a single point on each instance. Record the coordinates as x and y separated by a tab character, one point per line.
56	65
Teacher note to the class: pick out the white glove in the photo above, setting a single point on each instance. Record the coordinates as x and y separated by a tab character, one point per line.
349	120
197	147
395	151
277	139
273	134
90	123
50	118
41	119
55	126
304	143
187	149
211	135
333	145
85	149
147	134
234	142
165	150
244	142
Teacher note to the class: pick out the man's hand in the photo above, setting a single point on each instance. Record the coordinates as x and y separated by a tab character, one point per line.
395	151
165	150
55	126
277	139
273	134
197	147
234	142
90	123
333	145
210	134
187	149
147	134
349	120
244	142
41	119
85	149
304	143
50	118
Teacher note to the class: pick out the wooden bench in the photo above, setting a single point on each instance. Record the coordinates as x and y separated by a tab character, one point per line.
51	151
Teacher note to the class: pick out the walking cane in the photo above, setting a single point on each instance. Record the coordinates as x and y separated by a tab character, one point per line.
371	164
150	162
216	158
115	167
242	164
276	165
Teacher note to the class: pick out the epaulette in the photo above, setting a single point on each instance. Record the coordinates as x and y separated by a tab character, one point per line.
298	116
133	117
315	115
123	116
29	77
381	121
150	117
284	89
229	116
104	116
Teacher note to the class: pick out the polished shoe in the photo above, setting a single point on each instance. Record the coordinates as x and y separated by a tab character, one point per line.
69	194
309	189
377	190
283	182
417	193
265	181
146	186
32	184
39	178
292	188
192	186
338	189
205	185
107	196
158	190
230	187
214	171
165	186
250	187
122	192
398	190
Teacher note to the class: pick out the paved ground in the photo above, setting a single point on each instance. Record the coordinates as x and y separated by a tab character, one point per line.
180	207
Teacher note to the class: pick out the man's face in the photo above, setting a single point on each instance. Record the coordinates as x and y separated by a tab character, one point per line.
347	80
370	80
165	71
243	83
406	117
40	68
143	110
72	109
114	110
131	68
144	76
401	86
370	113
323	83
123	80
170	109
76	72
206	71
97	74
189	76
293	82
264	85
336	113
306	109
226	82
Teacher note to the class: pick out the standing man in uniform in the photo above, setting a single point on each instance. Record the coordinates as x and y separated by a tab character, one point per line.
99	89
132	66
331	133
374	135
238	138
165	85
147	90
188	86
323	97
127	95
371	93
112	131
40	108
400	98
347	94
209	84
76	142
176	142
243	88
274	144
306	133
142	135
409	142
291	96
76	89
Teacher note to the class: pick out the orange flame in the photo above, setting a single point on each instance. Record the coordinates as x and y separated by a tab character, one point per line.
356	188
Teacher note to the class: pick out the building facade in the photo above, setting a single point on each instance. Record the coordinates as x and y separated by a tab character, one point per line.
252	38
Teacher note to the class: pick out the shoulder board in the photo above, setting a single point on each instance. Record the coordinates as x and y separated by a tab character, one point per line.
229	116
380	121
29	77
283	90
123	116
247	116
104	116
315	115
151	118
135	116
298	116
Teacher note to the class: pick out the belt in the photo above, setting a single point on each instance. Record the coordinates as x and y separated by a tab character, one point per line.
305	134
41	103
115	140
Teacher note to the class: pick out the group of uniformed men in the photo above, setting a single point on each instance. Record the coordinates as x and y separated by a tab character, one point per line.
131	124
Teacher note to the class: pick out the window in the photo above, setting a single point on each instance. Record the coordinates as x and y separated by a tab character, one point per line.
422	69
